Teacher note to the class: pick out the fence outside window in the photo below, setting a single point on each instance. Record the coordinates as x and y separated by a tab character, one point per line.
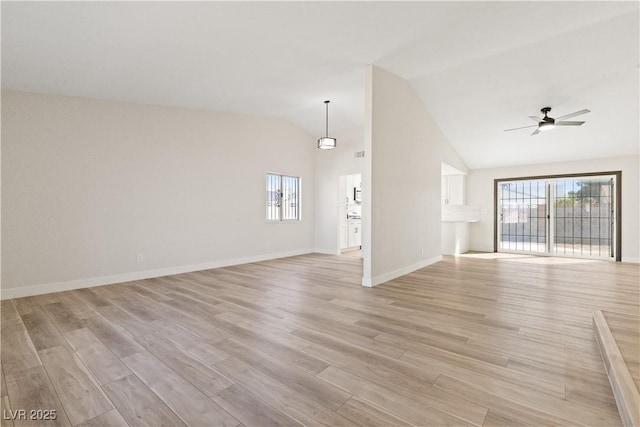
283	197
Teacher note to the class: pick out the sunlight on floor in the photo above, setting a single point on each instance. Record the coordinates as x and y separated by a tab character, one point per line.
528	259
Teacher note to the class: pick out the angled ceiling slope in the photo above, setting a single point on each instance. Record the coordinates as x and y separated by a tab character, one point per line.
479	67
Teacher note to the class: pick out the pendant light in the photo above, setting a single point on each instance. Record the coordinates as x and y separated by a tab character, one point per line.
327	143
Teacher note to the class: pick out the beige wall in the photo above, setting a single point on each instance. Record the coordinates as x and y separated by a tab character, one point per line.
480	193
88	185
407	149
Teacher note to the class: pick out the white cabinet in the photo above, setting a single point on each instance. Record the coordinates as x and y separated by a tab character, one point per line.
349	188
453	189
354	235
352	183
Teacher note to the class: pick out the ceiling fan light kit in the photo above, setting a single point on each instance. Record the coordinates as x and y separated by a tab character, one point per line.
547	123
326	142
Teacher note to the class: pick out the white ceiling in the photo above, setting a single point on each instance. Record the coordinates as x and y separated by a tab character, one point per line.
479	67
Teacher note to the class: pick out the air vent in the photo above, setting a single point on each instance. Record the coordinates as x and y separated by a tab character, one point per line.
358	154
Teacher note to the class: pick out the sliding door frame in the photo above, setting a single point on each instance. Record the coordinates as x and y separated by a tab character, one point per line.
617	199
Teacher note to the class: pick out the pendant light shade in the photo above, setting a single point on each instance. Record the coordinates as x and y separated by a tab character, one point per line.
326	142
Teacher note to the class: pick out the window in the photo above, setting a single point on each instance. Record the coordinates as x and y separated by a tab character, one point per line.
283	197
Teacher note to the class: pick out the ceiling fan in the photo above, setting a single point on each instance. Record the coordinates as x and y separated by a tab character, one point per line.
547	123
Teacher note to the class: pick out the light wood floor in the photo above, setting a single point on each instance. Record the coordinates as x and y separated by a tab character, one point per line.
467	341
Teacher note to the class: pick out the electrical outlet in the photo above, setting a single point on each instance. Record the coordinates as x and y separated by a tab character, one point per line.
140	257
268	244
421	250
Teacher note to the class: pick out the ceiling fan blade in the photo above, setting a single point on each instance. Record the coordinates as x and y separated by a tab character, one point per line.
563	123
535	132
523	127
577	113
535	119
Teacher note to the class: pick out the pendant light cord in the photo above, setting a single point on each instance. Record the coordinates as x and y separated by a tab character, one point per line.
326	129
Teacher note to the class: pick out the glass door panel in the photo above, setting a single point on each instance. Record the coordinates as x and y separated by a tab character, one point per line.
522	216
583	216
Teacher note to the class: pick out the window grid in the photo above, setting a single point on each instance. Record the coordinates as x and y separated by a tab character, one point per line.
585	207
581	211
283	197
523	214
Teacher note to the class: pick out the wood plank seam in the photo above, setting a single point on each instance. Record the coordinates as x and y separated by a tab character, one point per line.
520	333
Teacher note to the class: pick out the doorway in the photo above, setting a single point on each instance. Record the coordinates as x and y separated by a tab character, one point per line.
574	215
350	214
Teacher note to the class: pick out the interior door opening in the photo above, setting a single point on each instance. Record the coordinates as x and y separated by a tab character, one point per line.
350	214
562	215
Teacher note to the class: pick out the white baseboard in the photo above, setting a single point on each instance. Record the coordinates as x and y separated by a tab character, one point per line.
382	278
631	259
350	249
46	288
327	251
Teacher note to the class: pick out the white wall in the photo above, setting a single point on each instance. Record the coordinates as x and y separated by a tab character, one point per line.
455	237
87	185
407	149
480	192
330	165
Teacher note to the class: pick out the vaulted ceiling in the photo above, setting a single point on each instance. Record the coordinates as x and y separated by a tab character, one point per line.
479	67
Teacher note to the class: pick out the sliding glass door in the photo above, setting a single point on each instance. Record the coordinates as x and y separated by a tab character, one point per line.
522	212
561	215
583	216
